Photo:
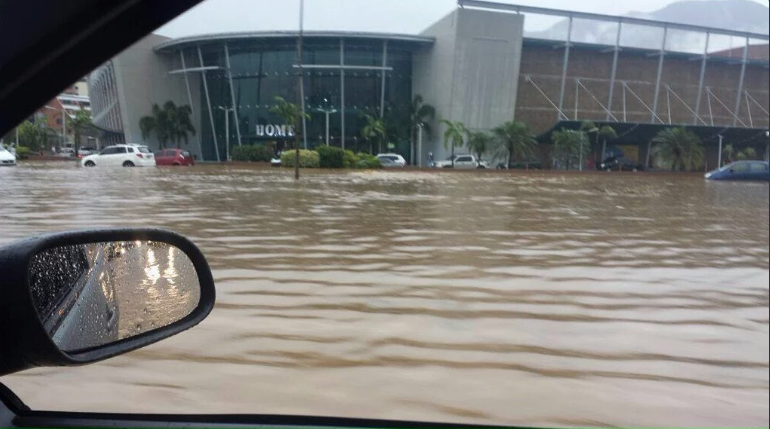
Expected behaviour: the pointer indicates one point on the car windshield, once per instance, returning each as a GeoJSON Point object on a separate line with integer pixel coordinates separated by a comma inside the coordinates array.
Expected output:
{"type": "Point", "coordinates": [595, 270]}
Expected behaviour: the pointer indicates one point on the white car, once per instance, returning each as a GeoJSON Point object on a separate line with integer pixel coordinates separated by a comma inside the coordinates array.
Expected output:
{"type": "Point", "coordinates": [7, 159]}
{"type": "Point", "coordinates": [392, 160]}
{"type": "Point", "coordinates": [122, 155]}
{"type": "Point", "coordinates": [463, 162]}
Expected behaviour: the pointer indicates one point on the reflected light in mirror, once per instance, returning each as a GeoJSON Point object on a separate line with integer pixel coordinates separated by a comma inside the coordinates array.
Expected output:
{"type": "Point", "coordinates": [95, 294]}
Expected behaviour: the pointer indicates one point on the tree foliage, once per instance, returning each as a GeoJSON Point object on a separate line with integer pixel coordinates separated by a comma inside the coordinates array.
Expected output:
{"type": "Point", "coordinates": [374, 131]}
{"type": "Point", "coordinates": [513, 142]}
{"type": "Point", "coordinates": [681, 148]}
{"type": "Point", "coordinates": [420, 114]}
{"type": "Point", "coordinates": [454, 136]}
{"type": "Point", "coordinates": [34, 135]}
{"type": "Point", "coordinates": [170, 123]}
{"type": "Point", "coordinates": [480, 142]}
{"type": "Point", "coordinates": [568, 145]}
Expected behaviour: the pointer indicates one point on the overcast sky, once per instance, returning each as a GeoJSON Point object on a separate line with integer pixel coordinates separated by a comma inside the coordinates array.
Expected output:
{"type": "Point", "coordinates": [397, 16]}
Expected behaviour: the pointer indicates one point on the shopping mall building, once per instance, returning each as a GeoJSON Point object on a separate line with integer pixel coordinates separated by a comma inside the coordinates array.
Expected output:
{"type": "Point", "coordinates": [475, 65]}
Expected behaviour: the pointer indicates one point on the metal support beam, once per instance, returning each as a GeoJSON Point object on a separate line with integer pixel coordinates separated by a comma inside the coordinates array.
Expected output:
{"type": "Point", "coordinates": [711, 108]}
{"type": "Point", "coordinates": [660, 75]}
{"type": "Point", "coordinates": [565, 66]}
{"type": "Point", "coordinates": [342, 89]}
{"type": "Point", "coordinates": [577, 97]}
{"type": "Point", "coordinates": [301, 88]}
{"type": "Point", "coordinates": [702, 79]}
{"type": "Point", "coordinates": [561, 113]}
{"type": "Point", "coordinates": [739, 98]}
{"type": "Point", "coordinates": [614, 73]}
{"type": "Point", "coordinates": [591, 94]}
{"type": "Point", "coordinates": [748, 110]}
{"type": "Point", "coordinates": [625, 106]}
{"type": "Point", "coordinates": [192, 107]}
{"type": "Point", "coordinates": [384, 78]}
{"type": "Point", "coordinates": [668, 103]}
{"type": "Point", "coordinates": [208, 103]}
{"type": "Point", "coordinates": [232, 95]}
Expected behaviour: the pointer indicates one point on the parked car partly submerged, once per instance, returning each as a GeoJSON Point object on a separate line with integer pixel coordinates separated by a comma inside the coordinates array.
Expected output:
{"type": "Point", "coordinates": [174, 158]}
{"type": "Point", "coordinates": [742, 170]}
{"type": "Point", "coordinates": [620, 163]}
{"type": "Point", "coordinates": [125, 155]}
{"type": "Point", "coordinates": [392, 160]}
{"type": "Point", "coordinates": [463, 162]}
{"type": "Point", "coordinates": [7, 159]}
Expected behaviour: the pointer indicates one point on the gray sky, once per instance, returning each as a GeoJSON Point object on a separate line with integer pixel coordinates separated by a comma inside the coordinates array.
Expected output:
{"type": "Point", "coordinates": [397, 16]}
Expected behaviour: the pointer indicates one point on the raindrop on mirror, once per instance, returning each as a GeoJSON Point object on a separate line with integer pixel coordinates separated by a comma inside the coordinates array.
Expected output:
{"type": "Point", "coordinates": [95, 294]}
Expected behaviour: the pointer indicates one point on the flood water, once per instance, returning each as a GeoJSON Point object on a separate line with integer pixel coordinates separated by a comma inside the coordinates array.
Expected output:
{"type": "Point", "coordinates": [529, 299]}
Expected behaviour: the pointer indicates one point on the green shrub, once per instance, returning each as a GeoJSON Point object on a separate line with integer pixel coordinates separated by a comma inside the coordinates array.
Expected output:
{"type": "Point", "coordinates": [349, 160]}
{"type": "Point", "coordinates": [252, 153]}
{"type": "Point", "coordinates": [331, 157]}
{"type": "Point", "coordinates": [366, 160]}
{"type": "Point", "coordinates": [307, 159]}
{"type": "Point", "coordinates": [22, 152]}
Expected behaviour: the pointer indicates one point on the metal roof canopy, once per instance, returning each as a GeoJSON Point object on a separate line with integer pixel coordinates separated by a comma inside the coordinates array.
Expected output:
{"type": "Point", "coordinates": [265, 35]}
{"type": "Point", "coordinates": [636, 133]}
{"type": "Point", "coordinates": [609, 18]}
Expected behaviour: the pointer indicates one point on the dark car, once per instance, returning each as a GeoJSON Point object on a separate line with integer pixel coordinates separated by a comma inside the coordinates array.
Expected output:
{"type": "Point", "coordinates": [742, 170]}
{"type": "Point", "coordinates": [620, 163]}
{"type": "Point", "coordinates": [174, 157]}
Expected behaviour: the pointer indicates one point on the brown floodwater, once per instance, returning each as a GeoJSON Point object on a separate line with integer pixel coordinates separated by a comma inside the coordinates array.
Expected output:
{"type": "Point", "coordinates": [530, 299]}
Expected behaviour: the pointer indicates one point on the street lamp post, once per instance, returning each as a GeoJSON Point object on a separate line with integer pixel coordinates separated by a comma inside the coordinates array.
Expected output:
{"type": "Point", "coordinates": [420, 127]}
{"type": "Point", "coordinates": [63, 123]}
{"type": "Point", "coordinates": [227, 130]}
{"type": "Point", "coordinates": [328, 112]}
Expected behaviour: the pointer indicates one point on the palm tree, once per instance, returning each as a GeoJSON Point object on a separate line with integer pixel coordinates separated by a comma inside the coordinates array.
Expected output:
{"type": "Point", "coordinates": [479, 143]}
{"type": "Point", "coordinates": [681, 147]}
{"type": "Point", "coordinates": [81, 122]}
{"type": "Point", "coordinates": [420, 115]}
{"type": "Point", "coordinates": [34, 135]}
{"type": "Point", "coordinates": [605, 134]}
{"type": "Point", "coordinates": [728, 153]}
{"type": "Point", "coordinates": [374, 130]}
{"type": "Point", "coordinates": [747, 154]}
{"type": "Point", "coordinates": [514, 141]}
{"type": "Point", "coordinates": [568, 144]}
{"type": "Point", "coordinates": [454, 136]}
{"type": "Point", "coordinates": [290, 113]}
{"type": "Point", "coordinates": [170, 123]}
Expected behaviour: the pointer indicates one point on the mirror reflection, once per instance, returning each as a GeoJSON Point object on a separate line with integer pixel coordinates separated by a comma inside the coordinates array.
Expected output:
{"type": "Point", "coordinates": [95, 294]}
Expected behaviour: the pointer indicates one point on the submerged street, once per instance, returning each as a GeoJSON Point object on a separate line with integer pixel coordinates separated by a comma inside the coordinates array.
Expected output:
{"type": "Point", "coordinates": [537, 299]}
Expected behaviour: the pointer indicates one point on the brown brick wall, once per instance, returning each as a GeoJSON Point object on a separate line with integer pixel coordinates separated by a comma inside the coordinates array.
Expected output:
{"type": "Point", "coordinates": [639, 70]}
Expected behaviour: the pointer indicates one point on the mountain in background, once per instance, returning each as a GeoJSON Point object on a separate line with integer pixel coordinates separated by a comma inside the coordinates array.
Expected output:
{"type": "Point", "coordinates": [742, 15]}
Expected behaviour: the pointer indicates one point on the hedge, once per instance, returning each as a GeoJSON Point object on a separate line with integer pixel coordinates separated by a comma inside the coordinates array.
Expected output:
{"type": "Point", "coordinates": [331, 157]}
{"type": "Point", "coordinates": [365, 160]}
{"type": "Point", "coordinates": [252, 153]}
{"type": "Point", "coordinates": [307, 159]}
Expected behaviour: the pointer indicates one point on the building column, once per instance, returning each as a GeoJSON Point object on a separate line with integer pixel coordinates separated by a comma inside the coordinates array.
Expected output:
{"type": "Point", "coordinates": [384, 64]}
{"type": "Point", "coordinates": [208, 103]}
{"type": "Point", "coordinates": [565, 66]}
{"type": "Point", "coordinates": [232, 94]}
{"type": "Point", "coordinates": [190, 99]}
{"type": "Point", "coordinates": [741, 80]}
{"type": "Point", "coordinates": [614, 70]}
{"type": "Point", "coordinates": [703, 65]}
{"type": "Point", "coordinates": [656, 97]}
{"type": "Point", "coordinates": [342, 89]}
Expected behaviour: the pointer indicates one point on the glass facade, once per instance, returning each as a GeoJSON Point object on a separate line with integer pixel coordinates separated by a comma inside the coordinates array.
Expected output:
{"type": "Point", "coordinates": [344, 78]}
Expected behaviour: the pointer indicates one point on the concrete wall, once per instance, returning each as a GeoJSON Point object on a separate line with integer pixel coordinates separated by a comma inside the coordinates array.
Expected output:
{"type": "Point", "coordinates": [470, 74]}
{"type": "Point", "coordinates": [143, 79]}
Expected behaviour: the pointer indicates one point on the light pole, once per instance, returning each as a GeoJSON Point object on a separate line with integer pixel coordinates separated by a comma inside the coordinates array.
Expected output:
{"type": "Point", "coordinates": [63, 123]}
{"type": "Point", "coordinates": [327, 111]}
{"type": "Point", "coordinates": [420, 126]}
{"type": "Point", "coordinates": [719, 156]}
{"type": "Point", "coordinates": [227, 130]}
{"type": "Point", "coordinates": [592, 130]}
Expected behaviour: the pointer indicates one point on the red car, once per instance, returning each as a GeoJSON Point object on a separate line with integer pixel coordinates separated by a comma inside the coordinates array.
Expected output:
{"type": "Point", "coordinates": [174, 157]}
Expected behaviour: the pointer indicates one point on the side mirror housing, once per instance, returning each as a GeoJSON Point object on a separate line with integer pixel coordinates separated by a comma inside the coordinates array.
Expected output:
{"type": "Point", "coordinates": [80, 297]}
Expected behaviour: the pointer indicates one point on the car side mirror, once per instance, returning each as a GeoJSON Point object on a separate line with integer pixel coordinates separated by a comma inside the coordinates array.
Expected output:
{"type": "Point", "coordinates": [81, 297]}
